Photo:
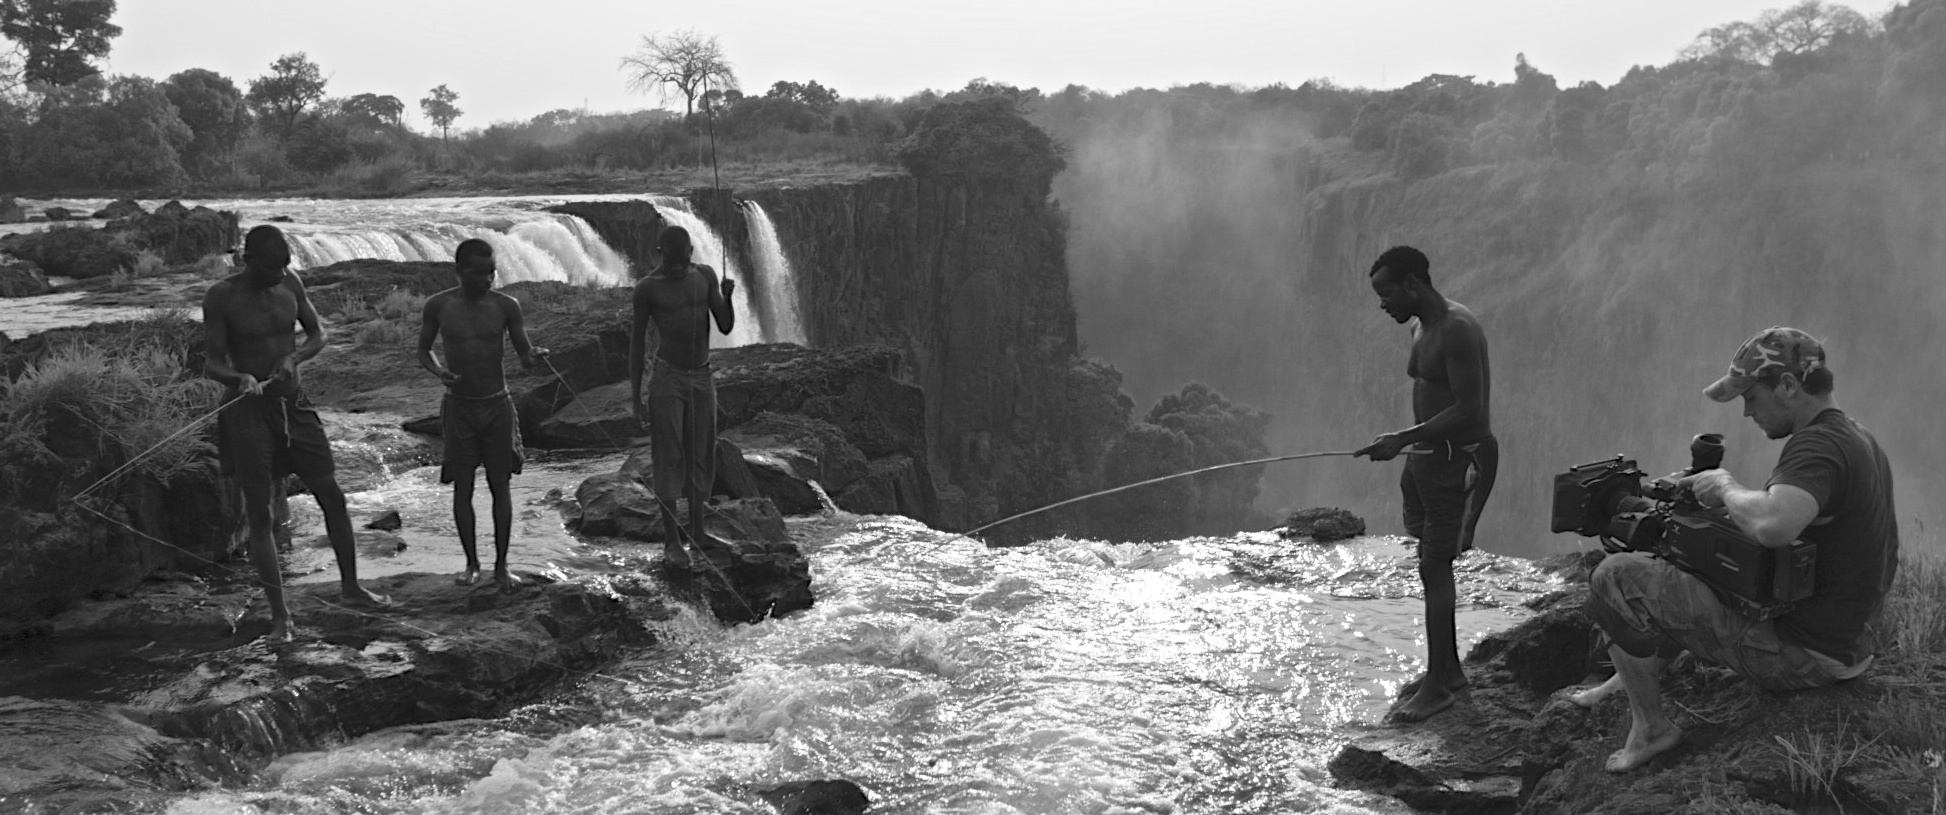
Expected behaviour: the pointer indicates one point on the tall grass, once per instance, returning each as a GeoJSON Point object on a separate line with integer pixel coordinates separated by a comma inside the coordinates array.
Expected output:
{"type": "Point", "coordinates": [136, 395]}
{"type": "Point", "coordinates": [1814, 760]}
{"type": "Point", "coordinates": [1914, 620]}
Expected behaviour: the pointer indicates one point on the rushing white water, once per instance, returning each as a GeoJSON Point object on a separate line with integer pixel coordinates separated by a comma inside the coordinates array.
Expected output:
{"type": "Point", "coordinates": [778, 291]}
{"type": "Point", "coordinates": [1212, 675]}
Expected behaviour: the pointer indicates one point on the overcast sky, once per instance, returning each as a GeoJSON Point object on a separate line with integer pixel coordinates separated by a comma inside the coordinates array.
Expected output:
{"type": "Point", "coordinates": [511, 60]}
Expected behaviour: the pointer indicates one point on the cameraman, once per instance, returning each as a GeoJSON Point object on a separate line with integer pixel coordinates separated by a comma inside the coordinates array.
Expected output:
{"type": "Point", "coordinates": [1832, 486]}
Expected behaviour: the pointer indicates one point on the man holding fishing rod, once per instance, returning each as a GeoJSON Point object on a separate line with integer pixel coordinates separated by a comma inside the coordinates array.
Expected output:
{"type": "Point", "coordinates": [679, 299]}
{"type": "Point", "coordinates": [270, 430]}
{"type": "Point", "coordinates": [477, 420]}
{"type": "Point", "coordinates": [1448, 477]}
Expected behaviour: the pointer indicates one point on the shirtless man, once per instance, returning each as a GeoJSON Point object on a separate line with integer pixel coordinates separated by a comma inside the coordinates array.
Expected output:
{"type": "Point", "coordinates": [679, 298]}
{"type": "Point", "coordinates": [1447, 480]}
{"type": "Point", "coordinates": [477, 420]}
{"type": "Point", "coordinates": [272, 431]}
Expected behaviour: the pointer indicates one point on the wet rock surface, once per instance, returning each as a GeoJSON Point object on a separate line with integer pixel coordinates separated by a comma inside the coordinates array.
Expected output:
{"type": "Point", "coordinates": [201, 702]}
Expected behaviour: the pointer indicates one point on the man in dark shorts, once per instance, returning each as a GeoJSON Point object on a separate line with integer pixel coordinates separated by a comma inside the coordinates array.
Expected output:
{"type": "Point", "coordinates": [272, 432]}
{"type": "Point", "coordinates": [477, 420]}
{"type": "Point", "coordinates": [1832, 486]}
{"type": "Point", "coordinates": [679, 298]}
{"type": "Point", "coordinates": [1454, 456]}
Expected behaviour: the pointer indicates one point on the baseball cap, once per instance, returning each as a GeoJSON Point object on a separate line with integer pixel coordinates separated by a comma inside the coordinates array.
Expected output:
{"type": "Point", "coordinates": [1774, 351]}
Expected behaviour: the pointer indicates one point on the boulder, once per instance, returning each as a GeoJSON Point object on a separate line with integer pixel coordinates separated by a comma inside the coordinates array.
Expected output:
{"type": "Point", "coordinates": [597, 418]}
{"type": "Point", "coordinates": [822, 797]}
{"type": "Point", "coordinates": [746, 580]}
{"type": "Point", "coordinates": [57, 213]}
{"type": "Point", "coordinates": [809, 449]}
{"type": "Point", "coordinates": [11, 212]}
{"type": "Point", "coordinates": [120, 209]}
{"type": "Point", "coordinates": [616, 505]}
{"type": "Point", "coordinates": [893, 485]}
{"type": "Point", "coordinates": [181, 235]}
{"type": "Point", "coordinates": [1322, 524]}
{"type": "Point", "coordinates": [19, 278]}
{"type": "Point", "coordinates": [72, 251]}
{"type": "Point", "coordinates": [745, 519]}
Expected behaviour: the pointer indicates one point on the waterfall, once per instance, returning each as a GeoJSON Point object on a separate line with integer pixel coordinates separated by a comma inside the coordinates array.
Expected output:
{"type": "Point", "coordinates": [708, 249]}
{"type": "Point", "coordinates": [778, 286]}
{"type": "Point", "coordinates": [546, 247]}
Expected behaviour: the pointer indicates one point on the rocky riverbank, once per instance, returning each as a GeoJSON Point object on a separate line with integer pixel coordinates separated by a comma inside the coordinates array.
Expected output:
{"type": "Point", "coordinates": [1516, 743]}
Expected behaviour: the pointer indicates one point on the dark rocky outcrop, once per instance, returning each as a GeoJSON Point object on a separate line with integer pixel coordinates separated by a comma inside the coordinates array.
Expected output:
{"type": "Point", "coordinates": [1514, 742]}
{"type": "Point", "coordinates": [11, 212]}
{"type": "Point", "coordinates": [174, 233]}
{"type": "Point", "coordinates": [57, 213]}
{"type": "Point", "coordinates": [199, 709]}
{"type": "Point", "coordinates": [817, 798]}
{"type": "Point", "coordinates": [1322, 524]}
{"type": "Point", "coordinates": [19, 278]}
{"type": "Point", "coordinates": [123, 208]}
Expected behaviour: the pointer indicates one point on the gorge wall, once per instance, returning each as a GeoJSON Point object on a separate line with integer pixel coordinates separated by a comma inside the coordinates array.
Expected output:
{"type": "Point", "coordinates": [1609, 298]}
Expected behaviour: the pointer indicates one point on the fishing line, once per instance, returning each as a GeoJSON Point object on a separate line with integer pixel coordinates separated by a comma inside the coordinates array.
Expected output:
{"type": "Point", "coordinates": [1185, 474]}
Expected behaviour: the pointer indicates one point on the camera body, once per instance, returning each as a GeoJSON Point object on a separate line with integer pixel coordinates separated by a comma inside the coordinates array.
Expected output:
{"type": "Point", "coordinates": [1610, 500]}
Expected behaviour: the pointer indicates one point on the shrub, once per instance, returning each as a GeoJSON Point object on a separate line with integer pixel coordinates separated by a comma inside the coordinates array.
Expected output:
{"type": "Point", "coordinates": [138, 395]}
{"type": "Point", "coordinates": [399, 304]}
{"type": "Point", "coordinates": [981, 139]}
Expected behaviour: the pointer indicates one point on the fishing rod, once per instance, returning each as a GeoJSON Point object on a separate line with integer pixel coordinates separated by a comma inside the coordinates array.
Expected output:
{"type": "Point", "coordinates": [1185, 474]}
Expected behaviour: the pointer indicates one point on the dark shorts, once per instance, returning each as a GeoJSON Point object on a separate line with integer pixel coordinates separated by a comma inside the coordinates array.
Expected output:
{"type": "Point", "coordinates": [1444, 492]}
{"type": "Point", "coordinates": [479, 433]}
{"type": "Point", "coordinates": [1647, 607]}
{"type": "Point", "coordinates": [263, 438]}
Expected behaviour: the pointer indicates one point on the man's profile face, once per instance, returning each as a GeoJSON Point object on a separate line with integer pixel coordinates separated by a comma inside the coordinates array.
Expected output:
{"type": "Point", "coordinates": [1765, 406]}
{"type": "Point", "coordinates": [476, 274]}
{"type": "Point", "coordinates": [1394, 296]}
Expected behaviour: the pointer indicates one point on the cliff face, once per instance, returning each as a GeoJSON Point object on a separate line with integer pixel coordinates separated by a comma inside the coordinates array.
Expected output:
{"type": "Point", "coordinates": [1609, 299]}
{"type": "Point", "coordinates": [970, 280]}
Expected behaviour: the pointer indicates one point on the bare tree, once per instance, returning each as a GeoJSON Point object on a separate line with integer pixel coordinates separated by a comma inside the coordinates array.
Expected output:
{"type": "Point", "coordinates": [682, 62]}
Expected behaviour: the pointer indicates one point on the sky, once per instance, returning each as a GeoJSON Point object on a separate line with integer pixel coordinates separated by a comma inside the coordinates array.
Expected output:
{"type": "Point", "coordinates": [510, 61]}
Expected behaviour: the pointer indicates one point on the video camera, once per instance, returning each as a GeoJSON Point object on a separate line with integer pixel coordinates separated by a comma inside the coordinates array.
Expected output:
{"type": "Point", "coordinates": [1607, 500]}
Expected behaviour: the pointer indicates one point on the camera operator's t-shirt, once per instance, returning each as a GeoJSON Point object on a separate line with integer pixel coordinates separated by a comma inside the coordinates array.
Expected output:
{"type": "Point", "coordinates": [1841, 465]}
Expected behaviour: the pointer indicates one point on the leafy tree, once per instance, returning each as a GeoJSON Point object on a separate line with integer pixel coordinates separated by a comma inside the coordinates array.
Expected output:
{"type": "Point", "coordinates": [131, 139]}
{"type": "Point", "coordinates": [438, 106]}
{"type": "Point", "coordinates": [212, 108]}
{"type": "Point", "coordinates": [810, 94]}
{"type": "Point", "coordinates": [983, 139]}
{"type": "Point", "coordinates": [1802, 29]}
{"type": "Point", "coordinates": [60, 38]}
{"type": "Point", "coordinates": [383, 110]}
{"type": "Point", "coordinates": [293, 85]}
{"type": "Point", "coordinates": [683, 62]}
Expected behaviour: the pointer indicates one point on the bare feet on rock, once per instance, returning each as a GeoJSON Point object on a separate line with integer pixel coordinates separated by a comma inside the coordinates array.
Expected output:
{"type": "Point", "coordinates": [506, 579]}
{"type": "Point", "coordinates": [674, 557]}
{"type": "Point", "coordinates": [1591, 697]}
{"type": "Point", "coordinates": [281, 632]}
{"type": "Point", "coordinates": [1411, 688]}
{"type": "Point", "coordinates": [471, 577]}
{"type": "Point", "coordinates": [1640, 749]}
{"type": "Point", "coordinates": [363, 598]}
{"type": "Point", "coordinates": [1423, 705]}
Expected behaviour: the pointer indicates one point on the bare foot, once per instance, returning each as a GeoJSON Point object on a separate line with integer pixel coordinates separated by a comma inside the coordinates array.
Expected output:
{"type": "Point", "coordinates": [281, 632]}
{"type": "Point", "coordinates": [1593, 696]}
{"type": "Point", "coordinates": [361, 597]}
{"type": "Point", "coordinates": [674, 557]}
{"type": "Point", "coordinates": [471, 577]}
{"type": "Point", "coordinates": [1640, 750]}
{"type": "Point", "coordinates": [1411, 687]}
{"type": "Point", "coordinates": [1422, 706]}
{"type": "Point", "coordinates": [506, 579]}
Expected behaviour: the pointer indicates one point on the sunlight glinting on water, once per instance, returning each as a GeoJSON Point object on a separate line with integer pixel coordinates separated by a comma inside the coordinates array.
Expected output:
{"type": "Point", "coordinates": [1204, 675]}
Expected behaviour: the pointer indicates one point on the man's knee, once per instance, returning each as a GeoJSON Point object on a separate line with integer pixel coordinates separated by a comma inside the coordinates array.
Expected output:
{"type": "Point", "coordinates": [325, 488]}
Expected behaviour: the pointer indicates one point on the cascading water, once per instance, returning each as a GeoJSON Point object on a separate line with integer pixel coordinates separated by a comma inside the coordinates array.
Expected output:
{"type": "Point", "coordinates": [779, 285]}
{"type": "Point", "coordinates": [548, 247]}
